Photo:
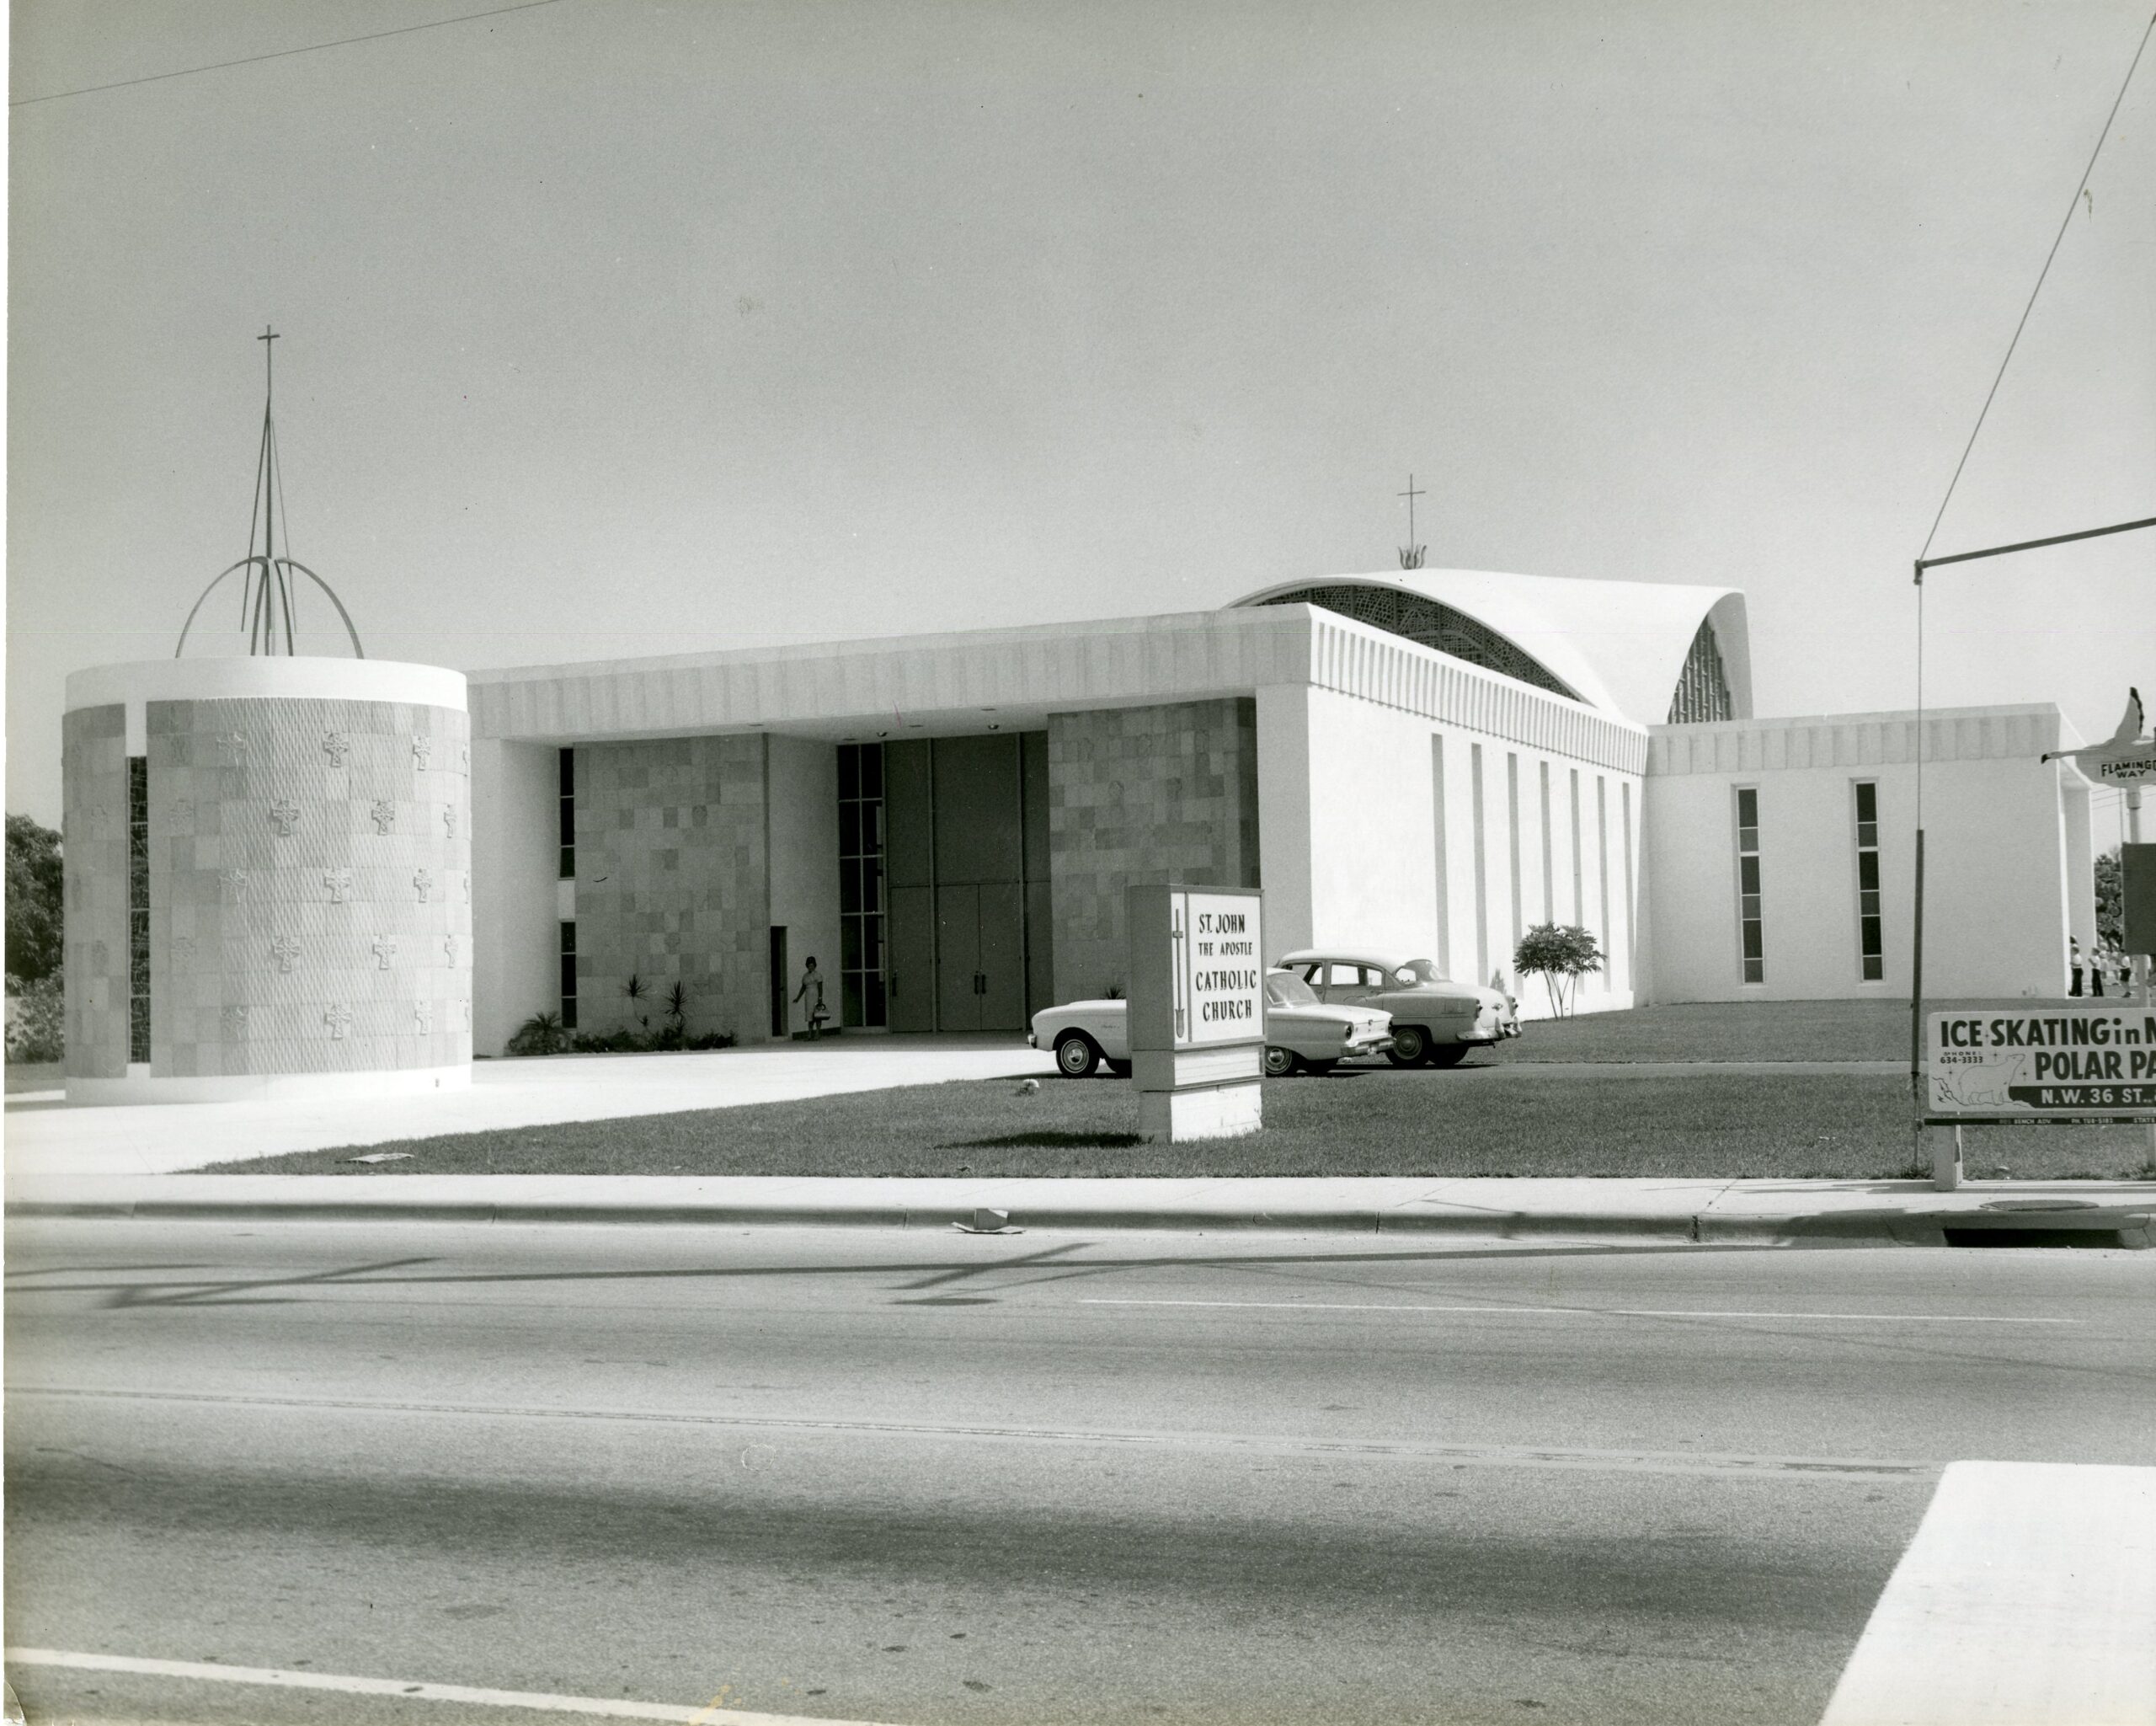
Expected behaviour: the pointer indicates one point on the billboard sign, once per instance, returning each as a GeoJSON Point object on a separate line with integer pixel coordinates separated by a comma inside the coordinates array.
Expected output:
{"type": "Point", "coordinates": [2072, 1064]}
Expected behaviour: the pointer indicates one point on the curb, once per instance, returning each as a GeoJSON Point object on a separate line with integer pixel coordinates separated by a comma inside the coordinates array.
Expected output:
{"type": "Point", "coordinates": [2131, 1226]}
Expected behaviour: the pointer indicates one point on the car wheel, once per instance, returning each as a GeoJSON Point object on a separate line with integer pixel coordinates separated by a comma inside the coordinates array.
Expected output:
{"type": "Point", "coordinates": [1077, 1055]}
{"type": "Point", "coordinates": [1446, 1055]}
{"type": "Point", "coordinates": [1121, 1069]}
{"type": "Point", "coordinates": [1411, 1046]}
{"type": "Point", "coordinates": [1279, 1062]}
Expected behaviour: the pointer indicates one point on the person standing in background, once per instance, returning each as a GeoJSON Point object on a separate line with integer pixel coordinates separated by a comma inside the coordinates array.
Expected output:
{"type": "Point", "coordinates": [2073, 961]}
{"type": "Point", "coordinates": [811, 995]}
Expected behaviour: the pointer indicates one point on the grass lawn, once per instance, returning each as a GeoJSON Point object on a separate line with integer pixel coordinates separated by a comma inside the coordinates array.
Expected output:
{"type": "Point", "coordinates": [1876, 1029]}
{"type": "Point", "coordinates": [1365, 1122]}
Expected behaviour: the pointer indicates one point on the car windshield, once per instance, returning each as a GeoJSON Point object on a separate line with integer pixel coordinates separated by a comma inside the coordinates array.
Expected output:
{"type": "Point", "coordinates": [1421, 970]}
{"type": "Point", "coordinates": [1285, 989]}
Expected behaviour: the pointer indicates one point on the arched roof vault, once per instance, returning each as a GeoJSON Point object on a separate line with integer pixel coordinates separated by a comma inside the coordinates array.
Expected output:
{"type": "Point", "coordinates": [1620, 646]}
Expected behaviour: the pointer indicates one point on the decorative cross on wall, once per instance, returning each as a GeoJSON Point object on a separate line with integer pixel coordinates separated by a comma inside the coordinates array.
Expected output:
{"type": "Point", "coordinates": [337, 1018]}
{"type": "Point", "coordinates": [385, 949]}
{"type": "Point", "coordinates": [284, 950]}
{"type": "Point", "coordinates": [423, 748]}
{"type": "Point", "coordinates": [283, 816]}
{"type": "Point", "coordinates": [339, 884]}
{"type": "Point", "coordinates": [424, 882]}
{"type": "Point", "coordinates": [234, 882]}
{"type": "Point", "coordinates": [383, 814]}
{"type": "Point", "coordinates": [336, 744]}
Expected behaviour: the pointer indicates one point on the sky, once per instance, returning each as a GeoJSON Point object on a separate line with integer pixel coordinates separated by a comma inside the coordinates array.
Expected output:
{"type": "Point", "coordinates": [615, 327]}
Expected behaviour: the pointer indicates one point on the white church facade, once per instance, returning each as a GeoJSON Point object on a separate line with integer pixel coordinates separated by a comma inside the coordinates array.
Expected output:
{"type": "Point", "coordinates": [1422, 761]}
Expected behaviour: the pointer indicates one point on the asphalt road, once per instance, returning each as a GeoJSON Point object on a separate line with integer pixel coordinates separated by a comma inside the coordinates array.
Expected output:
{"type": "Point", "coordinates": [920, 1478]}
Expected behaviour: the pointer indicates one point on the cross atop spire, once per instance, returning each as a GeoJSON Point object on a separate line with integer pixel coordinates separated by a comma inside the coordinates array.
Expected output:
{"type": "Point", "coordinates": [268, 371]}
{"type": "Point", "coordinates": [1410, 554]}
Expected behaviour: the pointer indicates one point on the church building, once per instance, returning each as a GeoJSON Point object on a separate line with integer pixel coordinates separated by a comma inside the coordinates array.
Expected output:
{"type": "Point", "coordinates": [1425, 762]}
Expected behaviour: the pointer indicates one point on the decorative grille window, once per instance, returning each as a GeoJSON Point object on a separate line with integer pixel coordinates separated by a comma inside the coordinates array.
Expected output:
{"type": "Point", "coordinates": [1750, 923]}
{"type": "Point", "coordinates": [1702, 694]}
{"type": "Point", "coordinates": [1433, 625]}
{"type": "Point", "coordinates": [861, 884]}
{"type": "Point", "coordinates": [138, 908]}
{"type": "Point", "coordinates": [1871, 941]}
{"type": "Point", "coordinates": [567, 838]}
{"type": "Point", "coordinates": [568, 971]}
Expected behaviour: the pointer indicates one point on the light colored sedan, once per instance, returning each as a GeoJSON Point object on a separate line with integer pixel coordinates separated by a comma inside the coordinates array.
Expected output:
{"type": "Point", "coordinates": [1435, 1020]}
{"type": "Point", "coordinates": [1302, 1033]}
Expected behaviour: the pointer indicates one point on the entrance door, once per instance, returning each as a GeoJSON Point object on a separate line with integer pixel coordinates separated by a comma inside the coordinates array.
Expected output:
{"type": "Point", "coordinates": [910, 959]}
{"type": "Point", "coordinates": [1002, 949]}
{"type": "Point", "coordinates": [980, 957]}
{"type": "Point", "coordinates": [779, 981]}
{"type": "Point", "coordinates": [957, 958]}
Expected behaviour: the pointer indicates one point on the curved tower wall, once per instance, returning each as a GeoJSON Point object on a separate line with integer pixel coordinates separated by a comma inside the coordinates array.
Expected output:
{"type": "Point", "coordinates": [268, 879]}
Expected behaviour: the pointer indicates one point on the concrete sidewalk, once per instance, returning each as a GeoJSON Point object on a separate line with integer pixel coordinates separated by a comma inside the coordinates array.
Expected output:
{"type": "Point", "coordinates": [46, 1136]}
{"type": "Point", "coordinates": [1839, 1213]}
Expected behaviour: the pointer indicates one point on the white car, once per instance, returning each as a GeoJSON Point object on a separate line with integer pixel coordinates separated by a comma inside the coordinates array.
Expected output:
{"type": "Point", "coordinates": [1435, 1020]}
{"type": "Point", "coordinates": [1302, 1033]}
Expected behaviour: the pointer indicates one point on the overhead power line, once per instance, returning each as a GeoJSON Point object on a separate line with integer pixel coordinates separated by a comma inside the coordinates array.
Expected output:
{"type": "Point", "coordinates": [2101, 135]}
{"type": "Point", "coordinates": [281, 54]}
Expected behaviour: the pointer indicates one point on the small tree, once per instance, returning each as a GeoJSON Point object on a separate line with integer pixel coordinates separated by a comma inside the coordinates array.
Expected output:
{"type": "Point", "coordinates": [34, 877]}
{"type": "Point", "coordinates": [1562, 953]}
{"type": "Point", "coordinates": [2110, 897]}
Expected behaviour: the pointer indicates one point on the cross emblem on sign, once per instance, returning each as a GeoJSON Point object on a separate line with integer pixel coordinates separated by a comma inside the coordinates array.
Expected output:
{"type": "Point", "coordinates": [1177, 939]}
{"type": "Point", "coordinates": [385, 949]}
{"type": "Point", "coordinates": [338, 1018]}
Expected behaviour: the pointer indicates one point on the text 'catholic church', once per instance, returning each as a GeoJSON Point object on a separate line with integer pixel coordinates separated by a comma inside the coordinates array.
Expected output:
{"type": "Point", "coordinates": [1425, 762]}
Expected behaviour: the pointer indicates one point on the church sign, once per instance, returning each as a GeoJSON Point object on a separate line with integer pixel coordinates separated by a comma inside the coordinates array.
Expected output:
{"type": "Point", "coordinates": [2076, 1065]}
{"type": "Point", "coordinates": [1197, 1009]}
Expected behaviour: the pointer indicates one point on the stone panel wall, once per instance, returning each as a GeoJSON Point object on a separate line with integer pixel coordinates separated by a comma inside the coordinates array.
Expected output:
{"type": "Point", "coordinates": [1140, 795]}
{"type": "Point", "coordinates": [94, 848]}
{"type": "Point", "coordinates": [673, 883]}
{"type": "Point", "coordinates": [310, 886]}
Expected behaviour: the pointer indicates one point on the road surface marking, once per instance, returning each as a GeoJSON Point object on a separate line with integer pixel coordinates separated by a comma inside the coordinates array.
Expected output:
{"type": "Point", "coordinates": [2026, 1597]}
{"type": "Point", "coordinates": [538, 1701]}
{"type": "Point", "coordinates": [1460, 1455]}
{"type": "Point", "coordinates": [1579, 1312]}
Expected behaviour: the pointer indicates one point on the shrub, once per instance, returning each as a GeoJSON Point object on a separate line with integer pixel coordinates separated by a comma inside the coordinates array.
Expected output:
{"type": "Point", "coordinates": [539, 1034]}
{"type": "Point", "coordinates": [38, 1032]}
{"type": "Point", "coordinates": [713, 1039]}
{"type": "Point", "coordinates": [621, 1042]}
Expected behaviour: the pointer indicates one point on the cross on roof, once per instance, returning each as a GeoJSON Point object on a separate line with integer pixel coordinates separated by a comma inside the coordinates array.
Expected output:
{"type": "Point", "coordinates": [1410, 554]}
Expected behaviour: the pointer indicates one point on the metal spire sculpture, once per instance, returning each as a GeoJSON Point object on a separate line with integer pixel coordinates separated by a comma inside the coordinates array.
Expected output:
{"type": "Point", "coordinates": [265, 610]}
